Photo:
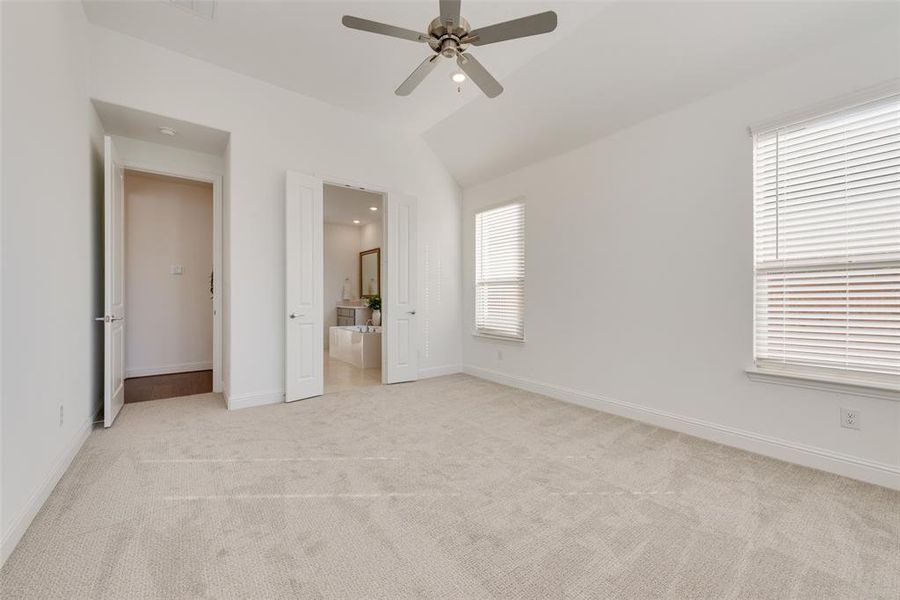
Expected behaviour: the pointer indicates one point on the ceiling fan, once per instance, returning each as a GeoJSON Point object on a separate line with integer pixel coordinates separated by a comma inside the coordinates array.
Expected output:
{"type": "Point", "coordinates": [449, 35]}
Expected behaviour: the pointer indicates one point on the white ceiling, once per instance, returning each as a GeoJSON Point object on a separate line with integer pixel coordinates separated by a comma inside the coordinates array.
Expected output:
{"type": "Point", "coordinates": [140, 125]}
{"type": "Point", "coordinates": [344, 204]}
{"type": "Point", "coordinates": [609, 65]}
{"type": "Point", "coordinates": [302, 46]}
{"type": "Point", "coordinates": [635, 60]}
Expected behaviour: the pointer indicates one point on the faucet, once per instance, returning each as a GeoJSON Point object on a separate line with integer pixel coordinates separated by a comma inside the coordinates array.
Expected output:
{"type": "Point", "coordinates": [367, 324]}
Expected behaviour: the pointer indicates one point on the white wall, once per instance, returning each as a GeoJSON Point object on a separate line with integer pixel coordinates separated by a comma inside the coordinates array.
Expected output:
{"type": "Point", "coordinates": [370, 236]}
{"type": "Point", "coordinates": [169, 324]}
{"type": "Point", "coordinates": [639, 276]}
{"type": "Point", "coordinates": [341, 248]}
{"type": "Point", "coordinates": [51, 257]}
{"type": "Point", "coordinates": [272, 131]}
{"type": "Point", "coordinates": [168, 158]}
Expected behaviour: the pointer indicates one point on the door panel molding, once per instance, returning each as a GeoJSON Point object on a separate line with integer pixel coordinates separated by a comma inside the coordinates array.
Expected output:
{"type": "Point", "coordinates": [304, 263]}
{"type": "Point", "coordinates": [401, 359]}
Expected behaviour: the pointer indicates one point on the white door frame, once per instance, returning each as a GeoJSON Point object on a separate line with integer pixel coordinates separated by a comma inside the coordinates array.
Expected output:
{"type": "Point", "coordinates": [341, 182]}
{"type": "Point", "coordinates": [216, 181]}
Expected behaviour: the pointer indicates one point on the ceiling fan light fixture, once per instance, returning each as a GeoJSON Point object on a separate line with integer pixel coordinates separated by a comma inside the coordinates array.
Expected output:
{"type": "Point", "coordinates": [450, 35]}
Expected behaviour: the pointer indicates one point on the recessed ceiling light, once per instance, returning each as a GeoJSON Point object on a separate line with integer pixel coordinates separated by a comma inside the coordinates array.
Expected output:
{"type": "Point", "coordinates": [167, 131]}
{"type": "Point", "coordinates": [373, 208]}
{"type": "Point", "coordinates": [458, 77]}
{"type": "Point", "coordinates": [356, 221]}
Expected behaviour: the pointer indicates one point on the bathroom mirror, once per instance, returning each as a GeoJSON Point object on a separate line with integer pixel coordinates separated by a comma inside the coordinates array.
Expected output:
{"type": "Point", "coordinates": [370, 273]}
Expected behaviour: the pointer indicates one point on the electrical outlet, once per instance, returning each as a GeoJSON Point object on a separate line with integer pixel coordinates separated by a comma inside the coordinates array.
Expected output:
{"type": "Point", "coordinates": [850, 418]}
{"type": "Point", "coordinates": [60, 415]}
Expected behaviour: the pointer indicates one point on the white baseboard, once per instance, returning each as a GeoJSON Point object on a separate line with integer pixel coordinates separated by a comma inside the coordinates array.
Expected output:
{"type": "Point", "coordinates": [439, 371]}
{"type": "Point", "coordinates": [808, 456]}
{"type": "Point", "coordinates": [250, 400]}
{"type": "Point", "coordinates": [277, 396]}
{"type": "Point", "coordinates": [167, 369]}
{"type": "Point", "coordinates": [21, 523]}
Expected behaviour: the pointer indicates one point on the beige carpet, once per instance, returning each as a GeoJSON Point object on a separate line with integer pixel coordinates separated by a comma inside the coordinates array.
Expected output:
{"type": "Point", "coordinates": [447, 488]}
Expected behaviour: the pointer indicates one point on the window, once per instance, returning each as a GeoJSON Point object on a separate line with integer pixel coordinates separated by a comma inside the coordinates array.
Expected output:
{"type": "Point", "coordinates": [827, 246]}
{"type": "Point", "coordinates": [500, 271]}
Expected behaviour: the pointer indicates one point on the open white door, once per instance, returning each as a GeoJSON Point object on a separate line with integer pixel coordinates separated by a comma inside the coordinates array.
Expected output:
{"type": "Point", "coordinates": [113, 284]}
{"type": "Point", "coordinates": [401, 359]}
{"type": "Point", "coordinates": [304, 322]}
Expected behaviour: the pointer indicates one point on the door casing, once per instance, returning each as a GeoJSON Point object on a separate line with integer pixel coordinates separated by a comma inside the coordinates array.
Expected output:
{"type": "Point", "coordinates": [218, 234]}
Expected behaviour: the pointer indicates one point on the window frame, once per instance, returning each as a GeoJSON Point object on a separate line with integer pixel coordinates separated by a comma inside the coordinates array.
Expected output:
{"type": "Point", "coordinates": [487, 334]}
{"type": "Point", "coordinates": [849, 381]}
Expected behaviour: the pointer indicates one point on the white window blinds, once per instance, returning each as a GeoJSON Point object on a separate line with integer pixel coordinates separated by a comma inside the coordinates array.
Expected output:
{"type": "Point", "coordinates": [500, 271]}
{"type": "Point", "coordinates": [827, 244]}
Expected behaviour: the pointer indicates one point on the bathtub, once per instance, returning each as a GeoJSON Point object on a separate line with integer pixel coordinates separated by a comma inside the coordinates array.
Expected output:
{"type": "Point", "coordinates": [356, 344]}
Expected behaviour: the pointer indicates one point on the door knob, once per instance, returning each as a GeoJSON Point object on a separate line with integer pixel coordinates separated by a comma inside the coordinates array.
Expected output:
{"type": "Point", "coordinates": [411, 312]}
{"type": "Point", "coordinates": [293, 315]}
{"type": "Point", "coordinates": [108, 318]}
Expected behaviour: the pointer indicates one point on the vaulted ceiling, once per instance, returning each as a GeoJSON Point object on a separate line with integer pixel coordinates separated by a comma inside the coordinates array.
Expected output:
{"type": "Point", "coordinates": [302, 46]}
{"type": "Point", "coordinates": [608, 65]}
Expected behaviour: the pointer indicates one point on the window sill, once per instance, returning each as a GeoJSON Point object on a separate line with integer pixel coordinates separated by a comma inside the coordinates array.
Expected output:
{"type": "Point", "coordinates": [823, 382]}
{"type": "Point", "coordinates": [498, 338]}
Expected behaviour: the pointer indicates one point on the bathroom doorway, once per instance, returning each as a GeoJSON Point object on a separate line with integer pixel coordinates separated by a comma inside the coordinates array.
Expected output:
{"type": "Point", "coordinates": [305, 289]}
{"type": "Point", "coordinates": [353, 235]}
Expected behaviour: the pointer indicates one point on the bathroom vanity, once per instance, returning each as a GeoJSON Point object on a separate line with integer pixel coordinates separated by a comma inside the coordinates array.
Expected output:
{"type": "Point", "coordinates": [349, 314]}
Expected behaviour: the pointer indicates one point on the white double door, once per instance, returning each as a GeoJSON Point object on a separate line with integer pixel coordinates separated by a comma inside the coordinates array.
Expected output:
{"type": "Point", "coordinates": [304, 295]}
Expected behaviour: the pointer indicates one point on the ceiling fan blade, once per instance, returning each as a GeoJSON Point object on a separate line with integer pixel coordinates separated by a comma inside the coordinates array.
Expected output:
{"type": "Point", "coordinates": [416, 77]}
{"type": "Point", "coordinates": [471, 67]}
{"type": "Point", "coordinates": [450, 12]}
{"type": "Point", "coordinates": [383, 29]}
{"type": "Point", "coordinates": [544, 22]}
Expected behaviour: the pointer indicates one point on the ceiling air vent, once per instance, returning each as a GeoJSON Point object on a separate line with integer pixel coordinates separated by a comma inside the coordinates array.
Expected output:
{"type": "Point", "coordinates": [201, 8]}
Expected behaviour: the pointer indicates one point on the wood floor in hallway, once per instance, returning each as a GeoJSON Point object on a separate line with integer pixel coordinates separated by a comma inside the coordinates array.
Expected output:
{"type": "Point", "coordinates": [172, 385]}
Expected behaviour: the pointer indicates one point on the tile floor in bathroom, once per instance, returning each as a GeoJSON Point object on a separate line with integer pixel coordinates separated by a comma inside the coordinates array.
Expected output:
{"type": "Point", "coordinates": [341, 376]}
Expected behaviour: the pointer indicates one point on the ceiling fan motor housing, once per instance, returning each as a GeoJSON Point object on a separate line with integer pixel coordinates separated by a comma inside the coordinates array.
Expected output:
{"type": "Point", "coordinates": [445, 39]}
